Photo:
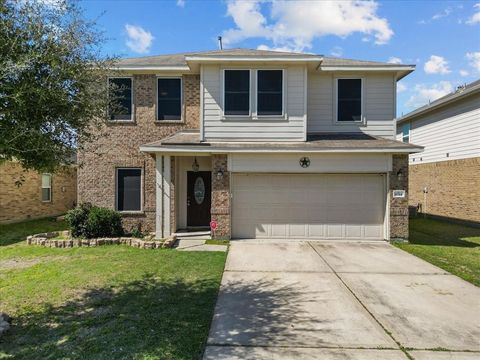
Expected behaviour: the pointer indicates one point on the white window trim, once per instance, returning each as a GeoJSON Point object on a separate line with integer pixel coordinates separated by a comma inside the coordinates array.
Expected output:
{"type": "Point", "coordinates": [132, 115]}
{"type": "Point", "coordinates": [50, 187]}
{"type": "Point", "coordinates": [141, 190]}
{"type": "Point", "coordinates": [282, 115]}
{"type": "Point", "coordinates": [363, 120]}
{"type": "Point", "coordinates": [182, 106]}
{"type": "Point", "coordinates": [237, 117]}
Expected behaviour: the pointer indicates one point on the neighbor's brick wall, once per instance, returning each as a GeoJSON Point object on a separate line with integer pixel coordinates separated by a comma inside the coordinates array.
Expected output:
{"type": "Point", "coordinates": [399, 206]}
{"type": "Point", "coordinates": [118, 146]}
{"type": "Point", "coordinates": [453, 188]}
{"type": "Point", "coordinates": [220, 210]}
{"type": "Point", "coordinates": [25, 202]}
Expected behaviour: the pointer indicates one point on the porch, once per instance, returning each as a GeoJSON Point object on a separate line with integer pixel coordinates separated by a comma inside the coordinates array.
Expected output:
{"type": "Point", "coordinates": [192, 190]}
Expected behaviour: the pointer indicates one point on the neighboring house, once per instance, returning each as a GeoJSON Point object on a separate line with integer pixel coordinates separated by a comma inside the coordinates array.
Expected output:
{"type": "Point", "coordinates": [26, 194]}
{"type": "Point", "coordinates": [266, 144]}
{"type": "Point", "coordinates": [445, 177]}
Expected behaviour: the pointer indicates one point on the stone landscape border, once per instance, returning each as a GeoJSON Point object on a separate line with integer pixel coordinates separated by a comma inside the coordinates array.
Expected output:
{"type": "Point", "coordinates": [48, 240]}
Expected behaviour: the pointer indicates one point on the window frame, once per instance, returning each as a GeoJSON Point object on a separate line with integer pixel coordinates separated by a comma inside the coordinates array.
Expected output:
{"type": "Point", "coordinates": [282, 115]}
{"type": "Point", "coordinates": [249, 115]}
{"type": "Point", "coordinates": [141, 189]}
{"type": "Point", "coordinates": [406, 136]}
{"type": "Point", "coordinates": [362, 120]}
{"type": "Point", "coordinates": [50, 188]}
{"type": "Point", "coordinates": [181, 120]}
{"type": "Point", "coordinates": [132, 115]}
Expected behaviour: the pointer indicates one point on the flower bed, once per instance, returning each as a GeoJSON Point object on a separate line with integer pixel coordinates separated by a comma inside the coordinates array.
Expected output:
{"type": "Point", "coordinates": [62, 239]}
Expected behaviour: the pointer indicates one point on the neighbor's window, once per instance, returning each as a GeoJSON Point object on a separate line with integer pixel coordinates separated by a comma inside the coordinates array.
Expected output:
{"type": "Point", "coordinates": [169, 99]}
{"type": "Point", "coordinates": [46, 187]}
{"type": "Point", "coordinates": [237, 92]}
{"type": "Point", "coordinates": [129, 189]}
{"type": "Point", "coordinates": [349, 99]}
{"type": "Point", "coordinates": [269, 92]}
{"type": "Point", "coordinates": [406, 133]}
{"type": "Point", "coordinates": [121, 100]}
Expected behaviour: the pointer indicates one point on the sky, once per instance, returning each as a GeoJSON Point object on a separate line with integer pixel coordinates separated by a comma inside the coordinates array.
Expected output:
{"type": "Point", "coordinates": [442, 38]}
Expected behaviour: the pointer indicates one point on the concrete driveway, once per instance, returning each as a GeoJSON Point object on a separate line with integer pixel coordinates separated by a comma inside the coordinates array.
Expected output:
{"type": "Point", "coordinates": [359, 301]}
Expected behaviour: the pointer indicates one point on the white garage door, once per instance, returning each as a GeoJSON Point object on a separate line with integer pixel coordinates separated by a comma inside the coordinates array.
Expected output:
{"type": "Point", "coordinates": [313, 206]}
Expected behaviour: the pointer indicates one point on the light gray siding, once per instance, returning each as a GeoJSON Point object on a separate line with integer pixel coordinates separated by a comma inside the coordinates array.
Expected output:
{"type": "Point", "coordinates": [291, 127]}
{"type": "Point", "coordinates": [378, 98]}
{"type": "Point", "coordinates": [453, 129]}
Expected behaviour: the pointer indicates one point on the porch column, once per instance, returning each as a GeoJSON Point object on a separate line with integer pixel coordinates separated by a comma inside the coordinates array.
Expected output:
{"type": "Point", "coordinates": [220, 210]}
{"type": "Point", "coordinates": [167, 178]}
{"type": "Point", "coordinates": [163, 182]}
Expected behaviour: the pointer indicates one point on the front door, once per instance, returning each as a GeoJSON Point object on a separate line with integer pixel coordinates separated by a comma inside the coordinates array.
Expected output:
{"type": "Point", "coordinates": [199, 198]}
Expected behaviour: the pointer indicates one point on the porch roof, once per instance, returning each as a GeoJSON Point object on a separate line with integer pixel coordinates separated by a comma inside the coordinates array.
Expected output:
{"type": "Point", "coordinates": [189, 141]}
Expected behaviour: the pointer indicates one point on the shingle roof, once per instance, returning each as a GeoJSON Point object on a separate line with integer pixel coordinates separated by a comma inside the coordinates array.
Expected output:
{"type": "Point", "coordinates": [456, 95]}
{"type": "Point", "coordinates": [180, 58]}
{"type": "Point", "coordinates": [315, 142]}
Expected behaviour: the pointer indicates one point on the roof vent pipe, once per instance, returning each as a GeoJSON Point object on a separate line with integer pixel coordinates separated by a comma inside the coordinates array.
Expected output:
{"type": "Point", "coordinates": [220, 42]}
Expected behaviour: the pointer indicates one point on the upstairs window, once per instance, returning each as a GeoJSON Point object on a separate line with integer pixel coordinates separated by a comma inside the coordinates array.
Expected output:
{"type": "Point", "coordinates": [349, 99]}
{"type": "Point", "coordinates": [406, 133]}
{"type": "Point", "coordinates": [129, 189]}
{"type": "Point", "coordinates": [237, 92]}
{"type": "Point", "coordinates": [46, 187]}
{"type": "Point", "coordinates": [269, 92]}
{"type": "Point", "coordinates": [121, 99]}
{"type": "Point", "coordinates": [169, 99]}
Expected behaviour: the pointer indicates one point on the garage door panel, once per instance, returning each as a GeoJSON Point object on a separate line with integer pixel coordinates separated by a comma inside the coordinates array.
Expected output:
{"type": "Point", "coordinates": [308, 206]}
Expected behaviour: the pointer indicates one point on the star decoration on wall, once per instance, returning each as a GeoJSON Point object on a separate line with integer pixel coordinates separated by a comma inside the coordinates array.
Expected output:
{"type": "Point", "coordinates": [304, 162]}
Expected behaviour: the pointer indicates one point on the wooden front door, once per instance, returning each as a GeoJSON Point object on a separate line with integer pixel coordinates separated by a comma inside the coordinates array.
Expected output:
{"type": "Point", "coordinates": [199, 198]}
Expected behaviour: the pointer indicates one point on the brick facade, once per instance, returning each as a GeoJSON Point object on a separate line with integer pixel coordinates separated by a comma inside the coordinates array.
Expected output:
{"type": "Point", "coordinates": [25, 202]}
{"type": "Point", "coordinates": [117, 145]}
{"type": "Point", "coordinates": [453, 189]}
{"type": "Point", "coordinates": [399, 206]}
{"type": "Point", "coordinates": [221, 197]}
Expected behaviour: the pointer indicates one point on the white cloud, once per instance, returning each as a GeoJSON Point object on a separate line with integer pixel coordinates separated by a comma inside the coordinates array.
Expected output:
{"type": "Point", "coordinates": [424, 94]}
{"type": "Point", "coordinates": [475, 18]}
{"type": "Point", "coordinates": [442, 14]}
{"type": "Point", "coordinates": [474, 58]}
{"type": "Point", "coordinates": [436, 65]}
{"type": "Point", "coordinates": [401, 87]}
{"type": "Point", "coordinates": [336, 51]}
{"type": "Point", "coordinates": [394, 60]}
{"type": "Point", "coordinates": [295, 24]}
{"type": "Point", "coordinates": [181, 3]}
{"type": "Point", "coordinates": [139, 40]}
{"type": "Point", "coordinates": [464, 73]}
{"type": "Point", "coordinates": [279, 48]}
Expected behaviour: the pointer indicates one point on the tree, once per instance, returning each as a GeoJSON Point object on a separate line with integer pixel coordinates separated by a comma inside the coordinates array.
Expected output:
{"type": "Point", "coordinates": [53, 88]}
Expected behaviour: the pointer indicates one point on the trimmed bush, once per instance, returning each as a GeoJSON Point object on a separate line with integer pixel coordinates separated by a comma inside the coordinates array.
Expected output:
{"type": "Point", "coordinates": [92, 222]}
{"type": "Point", "coordinates": [77, 219]}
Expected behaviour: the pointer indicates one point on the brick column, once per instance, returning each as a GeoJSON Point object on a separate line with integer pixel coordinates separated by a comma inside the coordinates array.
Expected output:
{"type": "Point", "coordinates": [220, 210]}
{"type": "Point", "coordinates": [399, 206]}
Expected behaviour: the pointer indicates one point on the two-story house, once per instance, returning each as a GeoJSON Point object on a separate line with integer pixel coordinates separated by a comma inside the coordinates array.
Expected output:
{"type": "Point", "coordinates": [265, 144]}
{"type": "Point", "coordinates": [445, 178]}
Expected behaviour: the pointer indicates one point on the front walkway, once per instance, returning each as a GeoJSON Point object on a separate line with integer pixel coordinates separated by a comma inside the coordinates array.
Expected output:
{"type": "Point", "coordinates": [317, 300]}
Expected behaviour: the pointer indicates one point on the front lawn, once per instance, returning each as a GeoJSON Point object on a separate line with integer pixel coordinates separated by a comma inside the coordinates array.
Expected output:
{"type": "Point", "coordinates": [452, 247]}
{"type": "Point", "coordinates": [108, 302]}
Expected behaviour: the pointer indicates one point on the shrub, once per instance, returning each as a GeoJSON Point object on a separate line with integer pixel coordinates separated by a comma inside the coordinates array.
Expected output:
{"type": "Point", "coordinates": [91, 222]}
{"type": "Point", "coordinates": [77, 219]}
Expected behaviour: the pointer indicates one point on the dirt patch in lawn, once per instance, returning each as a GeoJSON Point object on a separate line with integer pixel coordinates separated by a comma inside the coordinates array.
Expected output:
{"type": "Point", "coordinates": [21, 263]}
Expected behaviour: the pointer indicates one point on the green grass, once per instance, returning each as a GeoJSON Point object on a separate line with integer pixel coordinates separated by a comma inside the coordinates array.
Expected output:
{"type": "Point", "coordinates": [452, 247]}
{"type": "Point", "coordinates": [14, 233]}
{"type": "Point", "coordinates": [108, 302]}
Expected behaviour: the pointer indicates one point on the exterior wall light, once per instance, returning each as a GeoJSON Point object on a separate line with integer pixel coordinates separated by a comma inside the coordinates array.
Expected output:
{"type": "Point", "coordinates": [195, 166]}
{"type": "Point", "coordinates": [219, 175]}
{"type": "Point", "coordinates": [400, 175]}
